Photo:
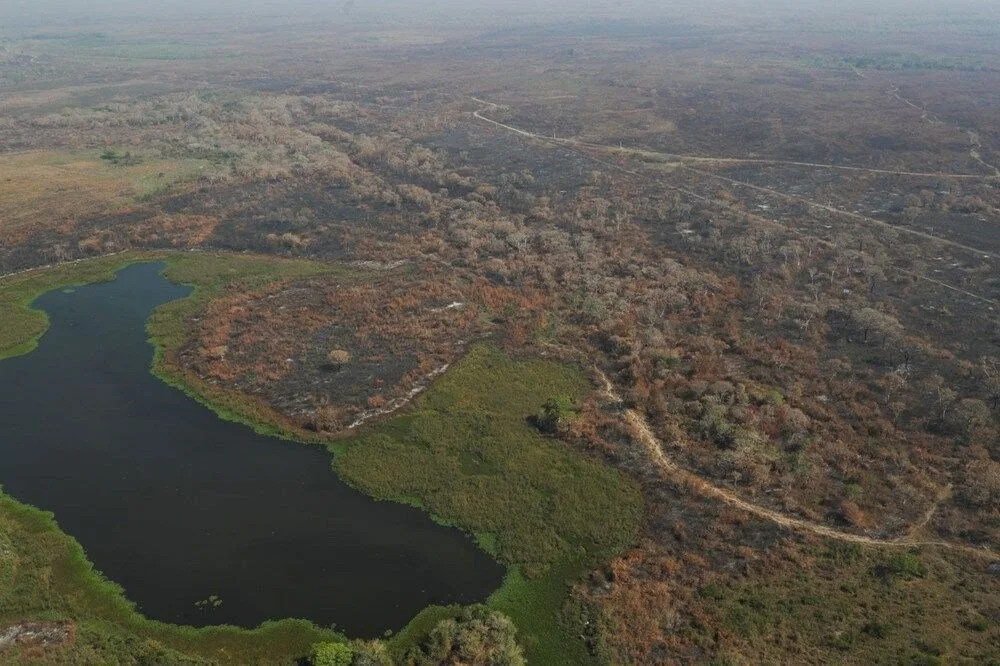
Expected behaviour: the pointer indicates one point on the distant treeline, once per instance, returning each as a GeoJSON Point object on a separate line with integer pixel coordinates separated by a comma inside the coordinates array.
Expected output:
{"type": "Point", "coordinates": [899, 62]}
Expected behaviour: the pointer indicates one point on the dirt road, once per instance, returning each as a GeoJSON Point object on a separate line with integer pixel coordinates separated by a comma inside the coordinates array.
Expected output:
{"type": "Point", "coordinates": [638, 428]}
{"type": "Point", "coordinates": [579, 145]}
{"type": "Point", "coordinates": [681, 158]}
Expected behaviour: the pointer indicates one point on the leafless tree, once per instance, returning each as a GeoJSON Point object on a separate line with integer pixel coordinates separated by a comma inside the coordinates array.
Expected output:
{"type": "Point", "coordinates": [990, 366]}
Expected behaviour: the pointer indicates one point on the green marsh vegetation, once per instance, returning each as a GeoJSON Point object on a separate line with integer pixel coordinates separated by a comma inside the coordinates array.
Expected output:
{"type": "Point", "coordinates": [467, 451]}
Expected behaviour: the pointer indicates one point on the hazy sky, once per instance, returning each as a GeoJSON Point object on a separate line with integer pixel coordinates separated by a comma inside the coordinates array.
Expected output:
{"type": "Point", "coordinates": [38, 13]}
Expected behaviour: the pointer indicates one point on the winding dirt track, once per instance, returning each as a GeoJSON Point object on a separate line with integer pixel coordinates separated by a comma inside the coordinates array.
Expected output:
{"type": "Point", "coordinates": [639, 430]}
{"type": "Point", "coordinates": [925, 115]}
{"type": "Point", "coordinates": [642, 152]}
{"type": "Point", "coordinates": [638, 427]}
{"type": "Point", "coordinates": [575, 144]}
{"type": "Point", "coordinates": [855, 216]}
{"type": "Point", "coordinates": [830, 209]}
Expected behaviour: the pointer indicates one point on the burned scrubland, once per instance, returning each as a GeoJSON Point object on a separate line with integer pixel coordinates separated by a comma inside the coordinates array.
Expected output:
{"type": "Point", "coordinates": [777, 238]}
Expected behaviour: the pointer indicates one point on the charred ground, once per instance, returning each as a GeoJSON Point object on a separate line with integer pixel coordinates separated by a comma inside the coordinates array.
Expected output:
{"type": "Point", "coordinates": [780, 241]}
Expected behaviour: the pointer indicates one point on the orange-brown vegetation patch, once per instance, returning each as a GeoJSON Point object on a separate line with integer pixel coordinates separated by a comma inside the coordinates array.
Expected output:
{"type": "Point", "coordinates": [326, 349]}
{"type": "Point", "coordinates": [177, 229]}
{"type": "Point", "coordinates": [639, 607]}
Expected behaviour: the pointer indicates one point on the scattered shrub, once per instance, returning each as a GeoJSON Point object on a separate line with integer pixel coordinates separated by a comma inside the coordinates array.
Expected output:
{"type": "Point", "coordinates": [906, 566]}
{"type": "Point", "coordinates": [339, 357]}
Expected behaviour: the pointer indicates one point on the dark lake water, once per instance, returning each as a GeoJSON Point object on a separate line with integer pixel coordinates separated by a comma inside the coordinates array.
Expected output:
{"type": "Point", "coordinates": [175, 504]}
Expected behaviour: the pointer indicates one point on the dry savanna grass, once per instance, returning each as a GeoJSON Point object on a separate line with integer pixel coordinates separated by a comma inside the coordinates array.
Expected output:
{"type": "Point", "coordinates": [638, 124]}
{"type": "Point", "coordinates": [46, 189]}
{"type": "Point", "coordinates": [67, 95]}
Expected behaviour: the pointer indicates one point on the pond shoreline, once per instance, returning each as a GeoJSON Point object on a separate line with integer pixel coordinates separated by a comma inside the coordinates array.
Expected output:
{"type": "Point", "coordinates": [518, 595]}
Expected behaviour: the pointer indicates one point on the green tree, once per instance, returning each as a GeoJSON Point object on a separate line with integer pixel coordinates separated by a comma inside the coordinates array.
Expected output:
{"type": "Point", "coordinates": [478, 636]}
{"type": "Point", "coordinates": [557, 414]}
{"type": "Point", "coordinates": [331, 654]}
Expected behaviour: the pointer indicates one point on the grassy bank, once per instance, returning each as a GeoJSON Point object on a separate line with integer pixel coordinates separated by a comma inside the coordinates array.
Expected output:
{"type": "Point", "coordinates": [24, 325]}
{"type": "Point", "coordinates": [45, 575]}
{"type": "Point", "coordinates": [465, 452]}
